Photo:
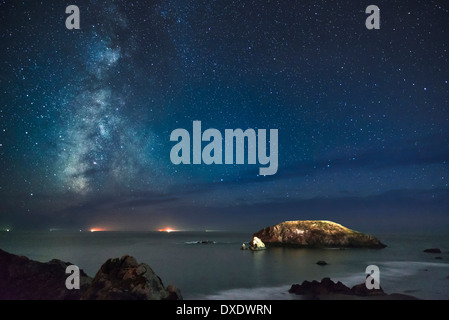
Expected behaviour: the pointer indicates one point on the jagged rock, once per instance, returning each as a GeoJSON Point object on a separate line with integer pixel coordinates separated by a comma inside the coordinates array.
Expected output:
{"type": "Point", "coordinates": [433, 250]}
{"type": "Point", "coordinates": [125, 279]}
{"type": "Point", "coordinates": [328, 289]}
{"type": "Point", "coordinates": [256, 244]}
{"type": "Point", "coordinates": [315, 288]}
{"type": "Point", "coordinates": [25, 279]}
{"type": "Point", "coordinates": [316, 233]}
{"type": "Point", "coordinates": [121, 279]}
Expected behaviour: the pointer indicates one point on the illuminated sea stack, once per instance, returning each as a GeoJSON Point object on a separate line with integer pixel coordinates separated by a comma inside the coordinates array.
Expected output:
{"type": "Point", "coordinates": [316, 234]}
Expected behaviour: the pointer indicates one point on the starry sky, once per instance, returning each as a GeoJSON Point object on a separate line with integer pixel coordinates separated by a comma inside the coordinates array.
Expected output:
{"type": "Point", "coordinates": [86, 115]}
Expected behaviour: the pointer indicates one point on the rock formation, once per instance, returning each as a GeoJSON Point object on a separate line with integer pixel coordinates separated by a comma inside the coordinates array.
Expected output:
{"type": "Point", "coordinates": [327, 288]}
{"type": "Point", "coordinates": [25, 279]}
{"type": "Point", "coordinates": [315, 288]}
{"type": "Point", "coordinates": [256, 244]}
{"type": "Point", "coordinates": [125, 279]}
{"type": "Point", "coordinates": [433, 250]}
{"type": "Point", "coordinates": [121, 279]}
{"type": "Point", "coordinates": [316, 234]}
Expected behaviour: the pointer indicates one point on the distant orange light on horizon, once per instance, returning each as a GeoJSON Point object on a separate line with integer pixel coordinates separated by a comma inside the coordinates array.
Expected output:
{"type": "Point", "coordinates": [97, 229]}
{"type": "Point", "coordinates": [166, 230]}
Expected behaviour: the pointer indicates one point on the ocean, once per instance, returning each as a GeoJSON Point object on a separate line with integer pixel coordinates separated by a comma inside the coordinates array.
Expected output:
{"type": "Point", "coordinates": [218, 269]}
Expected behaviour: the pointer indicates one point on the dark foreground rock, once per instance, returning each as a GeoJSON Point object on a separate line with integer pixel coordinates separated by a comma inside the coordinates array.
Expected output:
{"type": "Point", "coordinates": [125, 279]}
{"type": "Point", "coordinates": [25, 279]}
{"type": "Point", "coordinates": [327, 289]}
{"type": "Point", "coordinates": [316, 234]}
{"type": "Point", "coordinates": [315, 288]}
{"type": "Point", "coordinates": [121, 279]}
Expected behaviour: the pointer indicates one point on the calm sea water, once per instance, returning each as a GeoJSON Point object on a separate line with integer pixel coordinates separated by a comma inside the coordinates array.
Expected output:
{"type": "Point", "coordinates": [219, 270]}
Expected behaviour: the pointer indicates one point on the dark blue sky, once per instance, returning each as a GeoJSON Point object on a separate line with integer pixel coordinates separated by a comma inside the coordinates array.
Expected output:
{"type": "Point", "coordinates": [86, 115]}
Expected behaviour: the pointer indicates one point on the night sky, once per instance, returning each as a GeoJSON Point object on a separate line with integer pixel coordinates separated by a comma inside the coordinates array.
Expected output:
{"type": "Point", "coordinates": [86, 115]}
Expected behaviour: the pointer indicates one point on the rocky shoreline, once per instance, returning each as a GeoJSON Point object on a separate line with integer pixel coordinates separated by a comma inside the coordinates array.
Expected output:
{"type": "Point", "coordinates": [118, 279]}
{"type": "Point", "coordinates": [326, 289]}
{"type": "Point", "coordinates": [125, 279]}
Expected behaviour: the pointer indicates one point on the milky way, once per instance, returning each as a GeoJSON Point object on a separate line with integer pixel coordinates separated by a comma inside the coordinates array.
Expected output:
{"type": "Point", "coordinates": [86, 115]}
{"type": "Point", "coordinates": [104, 149]}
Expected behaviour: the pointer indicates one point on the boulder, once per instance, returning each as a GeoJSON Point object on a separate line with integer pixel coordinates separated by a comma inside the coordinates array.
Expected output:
{"type": "Point", "coordinates": [25, 279]}
{"type": "Point", "coordinates": [321, 263]}
{"type": "Point", "coordinates": [125, 279]}
{"type": "Point", "coordinates": [433, 250]}
{"type": "Point", "coordinates": [316, 234]}
{"type": "Point", "coordinates": [256, 244]}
